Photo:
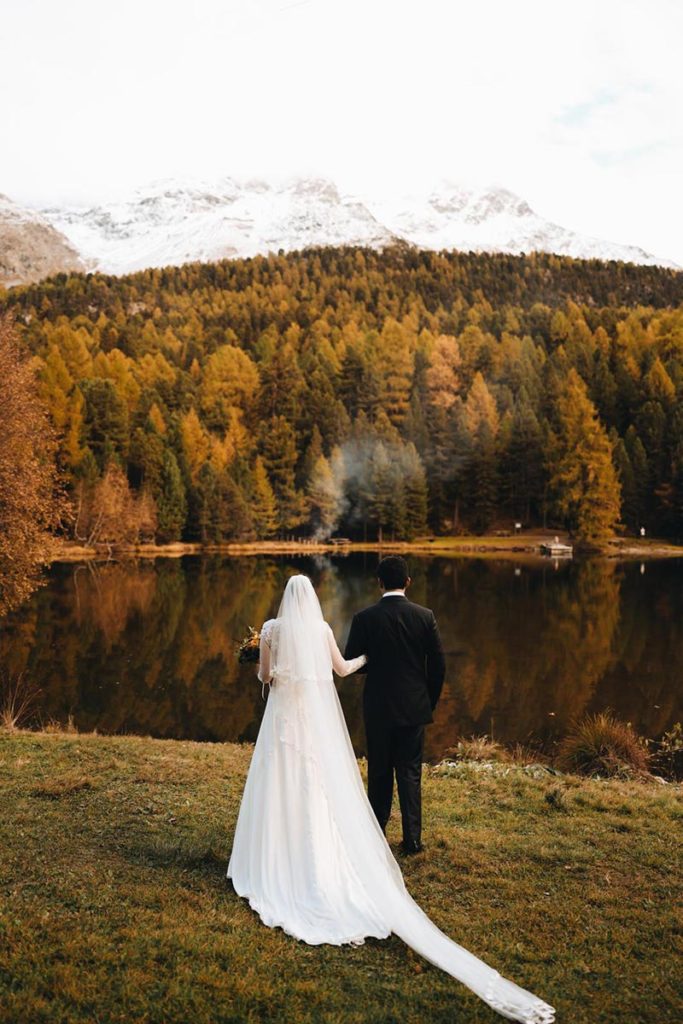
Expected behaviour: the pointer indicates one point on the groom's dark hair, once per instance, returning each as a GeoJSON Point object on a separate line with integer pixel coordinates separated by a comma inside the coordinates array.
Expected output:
{"type": "Point", "coordinates": [393, 573]}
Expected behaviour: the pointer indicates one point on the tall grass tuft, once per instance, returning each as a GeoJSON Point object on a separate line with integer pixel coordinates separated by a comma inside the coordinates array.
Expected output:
{"type": "Point", "coordinates": [18, 700]}
{"type": "Point", "coordinates": [667, 756]}
{"type": "Point", "coordinates": [602, 745]}
{"type": "Point", "coordinates": [478, 748]}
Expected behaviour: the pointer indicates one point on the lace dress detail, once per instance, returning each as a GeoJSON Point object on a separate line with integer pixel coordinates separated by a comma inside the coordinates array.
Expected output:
{"type": "Point", "coordinates": [265, 647]}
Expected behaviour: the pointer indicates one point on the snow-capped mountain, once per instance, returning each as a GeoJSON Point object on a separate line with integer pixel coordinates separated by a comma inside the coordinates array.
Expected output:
{"type": "Point", "coordinates": [170, 222]}
{"type": "Point", "coordinates": [30, 247]}
{"type": "Point", "coordinates": [492, 220]}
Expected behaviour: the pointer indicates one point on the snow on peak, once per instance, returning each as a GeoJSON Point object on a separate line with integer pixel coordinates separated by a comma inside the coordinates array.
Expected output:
{"type": "Point", "coordinates": [170, 222]}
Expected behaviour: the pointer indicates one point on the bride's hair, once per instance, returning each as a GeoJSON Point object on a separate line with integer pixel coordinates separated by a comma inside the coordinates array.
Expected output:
{"type": "Point", "coordinates": [299, 598]}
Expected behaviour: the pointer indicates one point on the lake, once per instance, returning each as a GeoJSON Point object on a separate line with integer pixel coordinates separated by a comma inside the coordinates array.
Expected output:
{"type": "Point", "coordinates": [147, 646]}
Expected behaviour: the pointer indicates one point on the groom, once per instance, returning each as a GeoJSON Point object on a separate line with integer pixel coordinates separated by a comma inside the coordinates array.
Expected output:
{"type": "Point", "coordinates": [405, 674]}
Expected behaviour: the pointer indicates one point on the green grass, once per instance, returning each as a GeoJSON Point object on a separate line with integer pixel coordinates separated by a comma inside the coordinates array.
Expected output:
{"type": "Point", "coordinates": [115, 906]}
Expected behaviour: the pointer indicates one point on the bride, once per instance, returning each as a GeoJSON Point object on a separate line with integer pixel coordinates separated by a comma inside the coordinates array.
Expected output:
{"type": "Point", "coordinates": [308, 852]}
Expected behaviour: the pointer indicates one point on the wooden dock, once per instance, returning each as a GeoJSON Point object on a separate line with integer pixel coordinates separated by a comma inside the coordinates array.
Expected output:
{"type": "Point", "coordinates": [554, 549]}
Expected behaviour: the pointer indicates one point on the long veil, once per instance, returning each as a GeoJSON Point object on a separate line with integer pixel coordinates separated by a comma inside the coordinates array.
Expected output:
{"type": "Point", "coordinates": [300, 649]}
{"type": "Point", "coordinates": [302, 658]}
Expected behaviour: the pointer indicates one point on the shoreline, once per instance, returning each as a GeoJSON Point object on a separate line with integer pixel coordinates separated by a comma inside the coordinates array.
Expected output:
{"type": "Point", "coordinates": [517, 548]}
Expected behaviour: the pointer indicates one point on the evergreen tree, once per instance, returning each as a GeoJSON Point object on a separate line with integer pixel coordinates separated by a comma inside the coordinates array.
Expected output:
{"type": "Point", "coordinates": [280, 459]}
{"type": "Point", "coordinates": [207, 517]}
{"type": "Point", "coordinates": [604, 391]}
{"type": "Point", "coordinates": [313, 453]}
{"type": "Point", "coordinates": [171, 501]}
{"type": "Point", "coordinates": [106, 420]}
{"type": "Point", "coordinates": [627, 482]}
{"type": "Point", "coordinates": [324, 498]}
{"type": "Point", "coordinates": [281, 385]}
{"type": "Point", "coordinates": [522, 462]}
{"type": "Point", "coordinates": [231, 516]}
{"type": "Point", "coordinates": [641, 477]}
{"type": "Point", "coordinates": [415, 491]}
{"type": "Point", "coordinates": [359, 383]}
{"type": "Point", "coordinates": [320, 407]}
{"type": "Point", "coordinates": [483, 482]}
{"type": "Point", "coordinates": [380, 489]}
{"type": "Point", "coordinates": [350, 376]}
{"type": "Point", "coordinates": [146, 459]}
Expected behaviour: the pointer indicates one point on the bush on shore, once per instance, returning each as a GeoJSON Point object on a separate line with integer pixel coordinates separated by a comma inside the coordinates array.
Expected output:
{"type": "Point", "coordinates": [601, 745]}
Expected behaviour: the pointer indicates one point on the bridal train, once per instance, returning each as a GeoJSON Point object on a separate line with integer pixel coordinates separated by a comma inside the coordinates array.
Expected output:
{"type": "Point", "coordinates": [308, 853]}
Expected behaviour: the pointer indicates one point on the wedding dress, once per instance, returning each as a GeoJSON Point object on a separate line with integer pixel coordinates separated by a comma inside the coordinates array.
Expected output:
{"type": "Point", "coordinates": [308, 852]}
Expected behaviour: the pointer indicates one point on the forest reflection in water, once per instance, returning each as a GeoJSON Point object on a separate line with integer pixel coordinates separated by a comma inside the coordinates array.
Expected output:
{"type": "Point", "coordinates": [148, 647]}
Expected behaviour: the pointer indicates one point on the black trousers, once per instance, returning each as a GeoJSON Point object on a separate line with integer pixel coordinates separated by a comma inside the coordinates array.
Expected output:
{"type": "Point", "coordinates": [396, 749]}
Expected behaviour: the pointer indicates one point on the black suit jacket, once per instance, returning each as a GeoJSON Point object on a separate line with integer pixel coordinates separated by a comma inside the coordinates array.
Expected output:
{"type": "Point", "coordinates": [406, 667]}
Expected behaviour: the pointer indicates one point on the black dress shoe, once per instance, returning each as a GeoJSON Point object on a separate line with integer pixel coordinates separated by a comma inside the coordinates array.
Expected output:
{"type": "Point", "coordinates": [414, 846]}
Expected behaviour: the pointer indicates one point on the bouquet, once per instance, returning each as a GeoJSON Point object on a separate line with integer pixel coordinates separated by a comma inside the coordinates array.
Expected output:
{"type": "Point", "coordinates": [248, 648]}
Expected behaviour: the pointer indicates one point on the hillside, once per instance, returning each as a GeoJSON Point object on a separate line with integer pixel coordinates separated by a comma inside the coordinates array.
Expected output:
{"type": "Point", "coordinates": [31, 248]}
{"type": "Point", "coordinates": [373, 393]}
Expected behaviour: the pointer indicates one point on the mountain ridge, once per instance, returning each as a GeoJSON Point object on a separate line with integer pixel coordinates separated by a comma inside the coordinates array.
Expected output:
{"type": "Point", "coordinates": [171, 222]}
{"type": "Point", "coordinates": [31, 248]}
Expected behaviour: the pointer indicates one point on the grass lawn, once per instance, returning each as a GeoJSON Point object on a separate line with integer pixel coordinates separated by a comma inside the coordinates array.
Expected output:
{"type": "Point", "coordinates": [115, 907]}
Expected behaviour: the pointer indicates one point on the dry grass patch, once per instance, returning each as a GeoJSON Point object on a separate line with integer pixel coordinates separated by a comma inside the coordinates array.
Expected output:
{"type": "Point", "coordinates": [600, 745]}
{"type": "Point", "coordinates": [478, 748]}
{"type": "Point", "coordinates": [55, 789]}
{"type": "Point", "coordinates": [116, 907]}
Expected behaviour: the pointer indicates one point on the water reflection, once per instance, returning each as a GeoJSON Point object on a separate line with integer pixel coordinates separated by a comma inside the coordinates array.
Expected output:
{"type": "Point", "coordinates": [149, 647]}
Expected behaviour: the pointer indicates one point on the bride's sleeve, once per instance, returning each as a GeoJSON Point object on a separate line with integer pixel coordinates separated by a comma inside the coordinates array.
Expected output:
{"type": "Point", "coordinates": [341, 665]}
{"type": "Point", "coordinates": [264, 672]}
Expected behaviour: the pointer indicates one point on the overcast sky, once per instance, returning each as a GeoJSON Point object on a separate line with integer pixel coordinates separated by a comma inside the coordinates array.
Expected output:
{"type": "Point", "coordinates": [577, 106]}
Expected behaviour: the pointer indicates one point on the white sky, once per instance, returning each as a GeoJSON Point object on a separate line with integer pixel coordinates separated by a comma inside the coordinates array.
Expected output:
{"type": "Point", "coordinates": [575, 105]}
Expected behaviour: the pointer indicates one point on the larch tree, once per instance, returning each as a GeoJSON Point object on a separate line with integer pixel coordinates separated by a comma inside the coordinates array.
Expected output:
{"type": "Point", "coordinates": [65, 405]}
{"type": "Point", "coordinates": [195, 443]}
{"type": "Point", "coordinates": [263, 505]}
{"type": "Point", "coordinates": [230, 379]}
{"type": "Point", "coordinates": [582, 477]}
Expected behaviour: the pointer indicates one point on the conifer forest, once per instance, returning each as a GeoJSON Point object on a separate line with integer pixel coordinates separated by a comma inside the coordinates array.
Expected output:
{"type": "Point", "coordinates": [361, 393]}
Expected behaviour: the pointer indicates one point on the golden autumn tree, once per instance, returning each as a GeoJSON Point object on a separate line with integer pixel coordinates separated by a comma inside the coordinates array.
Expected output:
{"type": "Point", "coordinates": [65, 405]}
{"type": "Point", "coordinates": [195, 443]}
{"type": "Point", "coordinates": [263, 505]}
{"type": "Point", "coordinates": [582, 477]}
{"type": "Point", "coordinates": [29, 504]}
{"type": "Point", "coordinates": [394, 361]}
{"type": "Point", "coordinates": [230, 378]}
